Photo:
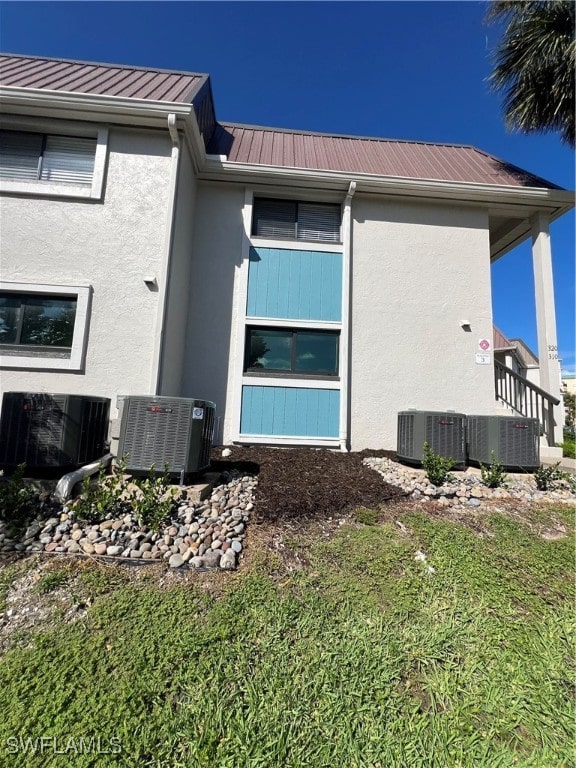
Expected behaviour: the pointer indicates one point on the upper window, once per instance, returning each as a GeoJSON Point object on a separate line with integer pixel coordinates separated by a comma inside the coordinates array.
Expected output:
{"type": "Point", "coordinates": [41, 157]}
{"type": "Point", "coordinates": [43, 326]}
{"type": "Point", "coordinates": [279, 350]}
{"type": "Point", "coordinates": [292, 220]}
{"type": "Point", "coordinates": [52, 164]}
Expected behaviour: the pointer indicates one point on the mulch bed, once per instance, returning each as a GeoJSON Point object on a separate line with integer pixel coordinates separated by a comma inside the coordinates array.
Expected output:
{"type": "Point", "coordinates": [303, 483]}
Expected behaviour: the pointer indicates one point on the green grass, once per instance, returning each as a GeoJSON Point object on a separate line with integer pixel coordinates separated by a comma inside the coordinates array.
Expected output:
{"type": "Point", "coordinates": [363, 659]}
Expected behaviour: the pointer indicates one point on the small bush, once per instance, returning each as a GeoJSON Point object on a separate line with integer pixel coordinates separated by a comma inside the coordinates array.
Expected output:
{"type": "Point", "coordinates": [548, 478]}
{"type": "Point", "coordinates": [107, 496]}
{"type": "Point", "coordinates": [437, 467]}
{"type": "Point", "coordinates": [152, 499]}
{"type": "Point", "coordinates": [569, 449]}
{"type": "Point", "coordinates": [493, 474]}
{"type": "Point", "coordinates": [17, 500]}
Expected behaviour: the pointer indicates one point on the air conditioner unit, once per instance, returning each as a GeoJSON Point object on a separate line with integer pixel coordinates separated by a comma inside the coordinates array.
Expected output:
{"type": "Point", "coordinates": [166, 431]}
{"type": "Point", "coordinates": [514, 440]}
{"type": "Point", "coordinates": [442, 430]}
{"type": "Point", "coordinates": [56, 431]}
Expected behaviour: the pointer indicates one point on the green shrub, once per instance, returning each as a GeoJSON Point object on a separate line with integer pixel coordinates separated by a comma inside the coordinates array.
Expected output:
{"type": "Point", "coordinates": [493, 474]}
{"type": "Point", "coordinates": [569, 449]}
{"type": "Point", "coordinates": [548, 477]}
{"type": "Point", "coordinates": [106, 496]}
{"type": "Point", "coordinates": [152, 499]}
{"type": "Point", "coordinates": [17, 500]}
{"type": "Point", "coordinates": [437, 467]}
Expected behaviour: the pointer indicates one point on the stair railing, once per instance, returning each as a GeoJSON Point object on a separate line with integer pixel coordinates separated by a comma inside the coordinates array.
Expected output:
{"type": "Point", "coordinates": [525, 398]}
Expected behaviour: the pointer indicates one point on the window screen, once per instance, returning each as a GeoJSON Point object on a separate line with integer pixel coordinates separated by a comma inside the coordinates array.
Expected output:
{"type": "Point", "coordinates": [291, 220]}
{"type": "Point", "coordinates": [38, 157]}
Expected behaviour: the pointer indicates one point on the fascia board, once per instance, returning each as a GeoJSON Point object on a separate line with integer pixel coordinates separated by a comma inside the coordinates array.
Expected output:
{"type": "Point", "coordinates": [492, 194]}
{"type": "Point", "coordinates": [108, 109]}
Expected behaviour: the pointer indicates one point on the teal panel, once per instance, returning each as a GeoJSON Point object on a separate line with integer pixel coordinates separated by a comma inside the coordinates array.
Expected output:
{"type": "Point", "coordinates": [298, 285]}
{"type": "Point", "coordinates": [290, 412]}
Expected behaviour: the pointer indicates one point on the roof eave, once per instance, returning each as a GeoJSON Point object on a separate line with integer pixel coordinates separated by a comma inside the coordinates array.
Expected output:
{"type": "Point", "coordinates": [107, 109]}
{"type": "Point", "coordinates": [216, 167]}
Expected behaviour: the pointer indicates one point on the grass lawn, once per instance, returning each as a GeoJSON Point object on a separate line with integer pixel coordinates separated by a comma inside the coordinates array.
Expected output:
{"type": "Point", "coordinates": [340, 651]}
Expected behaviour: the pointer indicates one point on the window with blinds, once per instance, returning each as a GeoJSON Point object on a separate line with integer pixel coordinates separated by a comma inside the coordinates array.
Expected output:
{"type": "Point", "coordinates": [292, 220]}
{"type": "Point", "coordinates": [40, 157]}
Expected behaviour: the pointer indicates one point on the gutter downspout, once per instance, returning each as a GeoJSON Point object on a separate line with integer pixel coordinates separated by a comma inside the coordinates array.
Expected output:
{"type": "Point", "coordinates": [164, 276]}
{"type": "Point", "coordinates": [346, 310]}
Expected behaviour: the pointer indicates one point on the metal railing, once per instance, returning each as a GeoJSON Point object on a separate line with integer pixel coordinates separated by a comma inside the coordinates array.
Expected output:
{"type": "Point", "coordinates": [526, 398]}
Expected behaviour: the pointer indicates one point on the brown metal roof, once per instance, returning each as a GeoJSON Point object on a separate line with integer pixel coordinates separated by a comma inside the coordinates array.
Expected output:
{"type": "Point", "coordinates": [94, 78]}
{"type": "Point", "coordinates": [501, 341]}
{"type": "Point", "coordinates": [352, 154]}
{"type": "Point", "coordinates": [266, 146]}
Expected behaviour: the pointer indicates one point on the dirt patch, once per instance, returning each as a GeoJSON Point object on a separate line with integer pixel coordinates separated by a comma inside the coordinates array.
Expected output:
{"type": "Point", "coordinates": [307, 484]}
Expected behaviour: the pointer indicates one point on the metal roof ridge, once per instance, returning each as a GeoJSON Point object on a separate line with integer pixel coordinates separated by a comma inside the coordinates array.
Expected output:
{"type": "Point", "coordinates": [32, 57]}
{"type": "Point", "coordinates": [299, 131]}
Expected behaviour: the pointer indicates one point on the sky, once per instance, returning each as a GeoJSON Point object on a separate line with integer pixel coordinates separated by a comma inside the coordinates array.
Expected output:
{"type": "Point", "coordinates": [402, 70]}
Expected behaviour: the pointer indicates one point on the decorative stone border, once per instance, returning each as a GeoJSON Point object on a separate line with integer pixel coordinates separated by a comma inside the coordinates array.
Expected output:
{"type": "Point", "coordinates": [467, 488]}
{"type": "Point", "coordinates": [204, 534]}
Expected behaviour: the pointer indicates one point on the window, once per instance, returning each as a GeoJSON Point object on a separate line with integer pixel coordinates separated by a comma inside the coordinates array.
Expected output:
{"type": "Point", "coordinates": [31, 320]}
{"type": "Point", "coordinates": [291, 220]}
{"type": "Point", "coordinates": [304, 352]}
{"type": "Point", "coordinates": [43, 326]}
{"type": "Point", "coordinates": [53, 164]}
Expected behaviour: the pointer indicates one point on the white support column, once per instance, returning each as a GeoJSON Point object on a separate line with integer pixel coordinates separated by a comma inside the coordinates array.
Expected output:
{"type": "Point", "coordinates": [550, 378]}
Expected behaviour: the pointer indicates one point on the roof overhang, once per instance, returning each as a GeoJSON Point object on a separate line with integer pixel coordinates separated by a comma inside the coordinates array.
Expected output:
{"type": "Point", "coordinates": [145, 113]}
{"type": "Point", "coordinates": [510, 206]}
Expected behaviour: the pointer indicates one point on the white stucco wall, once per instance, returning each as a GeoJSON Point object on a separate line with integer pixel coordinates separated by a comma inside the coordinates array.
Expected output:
{"type": "Point", "coordinates": [418, 270]}
{"type": "Point", "coordinates": [177, 297]}
{"type": "Point", "coordinates": [211, 349]}
{"type": "Point", "coordinates": [110, 245]}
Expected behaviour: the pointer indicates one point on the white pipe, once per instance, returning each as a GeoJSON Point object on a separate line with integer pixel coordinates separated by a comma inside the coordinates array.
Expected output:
{"type": "Point", "coordinates": [346, 308]}
{"type": "Point", "coordinates": [164, 276]}
{"type": "Point", "coordinates": [66, 484]}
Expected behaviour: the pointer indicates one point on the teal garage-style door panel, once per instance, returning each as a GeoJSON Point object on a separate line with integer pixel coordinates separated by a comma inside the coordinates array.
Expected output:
{"type": "Point", "coordinates": [297, 285]}
{"type": "Point", "coordinates": [290, 412]}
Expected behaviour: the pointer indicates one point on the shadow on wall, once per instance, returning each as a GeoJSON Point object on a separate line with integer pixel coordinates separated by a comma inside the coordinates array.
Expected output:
{"type": "Point", "coordinates": [216, 255]}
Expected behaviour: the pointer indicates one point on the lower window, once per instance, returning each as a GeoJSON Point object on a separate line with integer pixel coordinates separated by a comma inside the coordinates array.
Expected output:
{"type": "Point", "coordinates": [43, 326]}
{"type": "Point", "coordinates": [292, 351]}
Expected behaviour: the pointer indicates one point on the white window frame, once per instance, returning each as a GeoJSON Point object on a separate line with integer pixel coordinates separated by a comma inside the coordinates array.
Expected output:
{"type": "Point", "coordinates": [83, 296]}
{"type": "Point", "coordinates": [38, 188]}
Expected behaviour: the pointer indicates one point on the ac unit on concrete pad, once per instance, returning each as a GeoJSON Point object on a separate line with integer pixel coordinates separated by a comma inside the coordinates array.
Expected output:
{"type": "Point", "coordinates": [515, 440]}
{"type": "Point", "coordinates": [444, 431]}
{"type": "Point", "coordinates": [52, 431]}
{"type": "Point", "coordinates": [166, 431]}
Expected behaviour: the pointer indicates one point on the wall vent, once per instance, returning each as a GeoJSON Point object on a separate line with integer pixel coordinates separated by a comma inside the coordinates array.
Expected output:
{"type": "Point", "coordinates": [57, 431]}
{"type": "Point", "coordinates": [515, 440]}
{"type": "Point", "coordinates": [166, 431]}
{"type": "Point", "coordinates": [442, 430]}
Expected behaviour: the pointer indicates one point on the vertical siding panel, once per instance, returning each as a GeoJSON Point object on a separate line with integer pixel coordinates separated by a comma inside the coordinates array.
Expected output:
{"type": "Point", "coordinates": [284, 283]}
{"type": "Point", "coordinates": [290, 411]}
{"type": "Point", "coordinates": [303, 285]}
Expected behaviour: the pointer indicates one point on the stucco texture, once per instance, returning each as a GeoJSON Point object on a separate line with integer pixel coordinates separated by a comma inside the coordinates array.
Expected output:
{"type": "Point", "coordinates": [110, 245]}
{"type": "Point", "coordinates": [214, 307]}
{"type": "Point", "coordinates": [418, 270]}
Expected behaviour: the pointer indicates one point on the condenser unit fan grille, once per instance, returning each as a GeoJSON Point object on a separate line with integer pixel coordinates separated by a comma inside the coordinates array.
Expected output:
{"type": "Point", "coordinates": [163, 432]}
{"type": "Point", "coordinates": [157, 434]}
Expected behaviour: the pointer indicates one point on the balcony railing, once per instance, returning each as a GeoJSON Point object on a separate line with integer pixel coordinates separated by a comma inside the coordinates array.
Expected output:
{"type": "Point", "coordinates": [526, 398]}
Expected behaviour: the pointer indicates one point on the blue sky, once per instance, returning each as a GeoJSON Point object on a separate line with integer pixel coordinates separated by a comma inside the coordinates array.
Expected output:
{"type": "Point", "coordinates": [405, 70]}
